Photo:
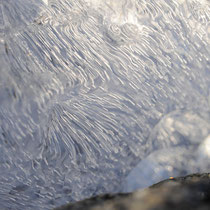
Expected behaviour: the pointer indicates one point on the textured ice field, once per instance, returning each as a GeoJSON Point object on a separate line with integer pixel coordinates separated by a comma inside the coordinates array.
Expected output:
{"type": "Point", "coordinates": [100, 96]}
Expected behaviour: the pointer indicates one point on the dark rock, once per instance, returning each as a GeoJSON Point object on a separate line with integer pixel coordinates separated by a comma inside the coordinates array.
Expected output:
{"type": "Point", "coordinates": [191, 192]}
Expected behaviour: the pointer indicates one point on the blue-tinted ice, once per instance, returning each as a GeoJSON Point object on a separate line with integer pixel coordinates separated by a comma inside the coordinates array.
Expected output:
{"type": "Point", "coordinates": [91, 88]}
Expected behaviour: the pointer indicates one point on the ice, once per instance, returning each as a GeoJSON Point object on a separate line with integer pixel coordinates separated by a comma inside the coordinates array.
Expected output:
{"type": "Point", "coordinates": [180, 145]}
{"type": "Point", "coordinates": [45, 1]}
{"type": "Point", "coordinates": [95, 95]}
{"type": "Point", "coordinates": [204, 150]}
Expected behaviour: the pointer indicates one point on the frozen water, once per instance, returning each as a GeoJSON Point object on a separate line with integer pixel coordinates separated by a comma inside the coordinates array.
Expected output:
{"type": "Point", "coordinates": [90, 89]}
{"type": "Point", "coordinates": [45, 1]}
{"type": "Point", "coordinates": [180, 142]}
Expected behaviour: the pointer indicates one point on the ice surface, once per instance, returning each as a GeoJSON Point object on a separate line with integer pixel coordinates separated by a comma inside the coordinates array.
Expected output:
{"type": "Point", "coordinates": [178, 145]}
{"type": "Point", "coordinates": [45, 1]}
{"type": "Point", "coordinates": [90, 89]}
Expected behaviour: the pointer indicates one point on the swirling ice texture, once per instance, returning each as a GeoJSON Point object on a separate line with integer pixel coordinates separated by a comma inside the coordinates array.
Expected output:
{"type": "Point", "coordinates": [90, 88]}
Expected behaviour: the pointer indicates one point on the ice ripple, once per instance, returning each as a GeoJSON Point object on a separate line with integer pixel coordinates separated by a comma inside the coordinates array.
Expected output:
{"type": "Point", "coordinates": [86, 87]}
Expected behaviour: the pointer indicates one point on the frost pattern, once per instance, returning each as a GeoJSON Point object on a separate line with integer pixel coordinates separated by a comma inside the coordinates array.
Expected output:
{"type": "Point", "coordinates": [89, 88]}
